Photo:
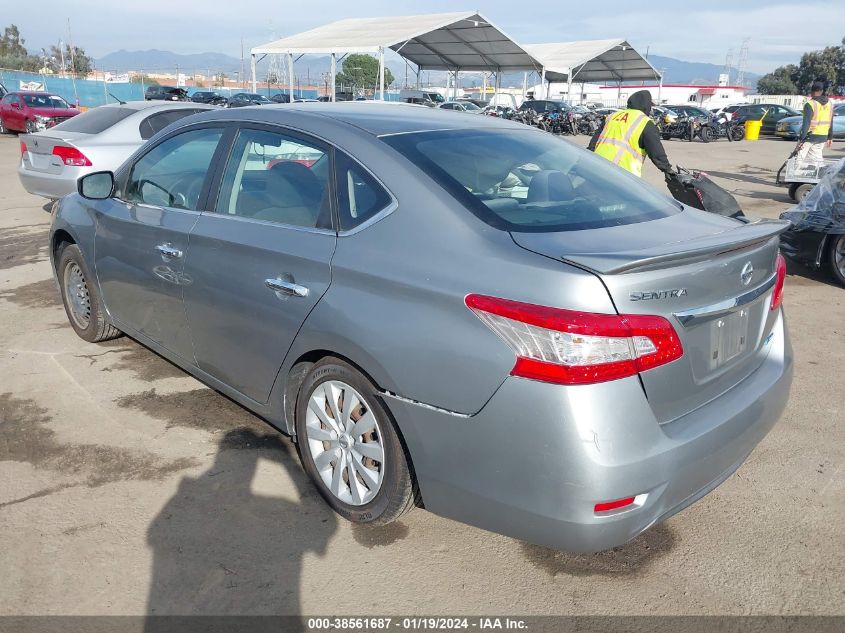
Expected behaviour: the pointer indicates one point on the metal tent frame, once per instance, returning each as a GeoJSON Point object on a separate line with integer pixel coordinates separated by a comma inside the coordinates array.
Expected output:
{"type": "Point", "coordinates": [593, 61]}
{"type": "Point", "coordinates": [443, 41]}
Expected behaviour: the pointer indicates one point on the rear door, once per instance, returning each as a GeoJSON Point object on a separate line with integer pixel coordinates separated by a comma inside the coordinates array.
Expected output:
{"type": "Point", "coordinates": [142, 236]}
{"type": "Point", "coordinates": [261, 260]}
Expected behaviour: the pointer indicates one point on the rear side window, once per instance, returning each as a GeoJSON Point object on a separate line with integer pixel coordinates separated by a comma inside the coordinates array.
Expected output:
{"type": "Point", "coordinates": [528, 181]}
{"type": "Point", "coordinates": [155, 123]}
{"type": "Point", "coordinates": [96, 120]}
{"type": "Point", "coordinates": [359, 194]}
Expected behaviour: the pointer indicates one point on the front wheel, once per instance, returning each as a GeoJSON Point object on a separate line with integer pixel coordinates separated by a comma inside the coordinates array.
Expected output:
{"type": "Point", "coordinates": [706, 134]}
{"type": "Point", "coordinates": [3, 129]}
{"type": "Point", "coordinates": [350, 447]}
{"type": "Point", "coordinates": [737, 133]}
{"type": "Point", "coordinates": [81, 298]}
{"type": "Point", "coordinates": [30, 127]}
{"type": "Point", "coordinates": [837, 259]}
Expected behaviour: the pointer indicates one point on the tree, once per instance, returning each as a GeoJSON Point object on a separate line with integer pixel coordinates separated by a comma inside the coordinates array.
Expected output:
{"type": "Point", "coordinates": [143, 79]}
{"type": "Point", "coordinates": [824, 65]}
{"type": "Point", "coordinates": [361, 72]}
{"type": "Point", "coordinates": [12, 44]}
{"type": "Point", "coordinates": [778, 82]}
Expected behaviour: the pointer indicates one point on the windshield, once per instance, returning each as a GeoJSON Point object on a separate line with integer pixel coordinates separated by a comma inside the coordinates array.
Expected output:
{"type": "Point", "coordinates": [528, 181]}
{"type": "Point", "coordinates": [45, 101]}
{"type": "Point", "coordinates": [96, 120]}
{"type": "Point", "coordinates": [436, 97]}
{"type": "Point", "coordinates": [469, 105]}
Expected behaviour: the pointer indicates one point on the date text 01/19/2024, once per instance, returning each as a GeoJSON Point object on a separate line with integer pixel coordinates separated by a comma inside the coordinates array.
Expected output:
{"type": "Point", "coordinates": [416, 623]}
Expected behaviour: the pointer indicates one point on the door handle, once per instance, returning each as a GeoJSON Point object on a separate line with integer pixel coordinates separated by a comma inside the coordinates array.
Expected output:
{"type": "Point", "coordinates": [168, 252]}
{"type": "Point", "coordinates": [287, 287]}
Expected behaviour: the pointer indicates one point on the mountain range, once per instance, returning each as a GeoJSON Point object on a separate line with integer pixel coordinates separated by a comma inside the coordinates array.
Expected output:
{"type": "Point", "coordinates": [310, 68]}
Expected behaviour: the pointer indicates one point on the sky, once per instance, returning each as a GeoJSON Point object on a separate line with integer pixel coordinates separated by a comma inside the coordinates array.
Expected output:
{"type": "Point", "coordinates": [701, 31]}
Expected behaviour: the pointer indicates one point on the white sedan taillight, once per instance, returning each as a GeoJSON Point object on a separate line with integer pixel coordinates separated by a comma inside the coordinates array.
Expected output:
{"type": "Point", "coordinates": [576, 348]}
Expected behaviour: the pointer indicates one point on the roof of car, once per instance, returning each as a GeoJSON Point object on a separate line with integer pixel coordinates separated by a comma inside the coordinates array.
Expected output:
{"type": "Point", "coordinates": [370, 116]}
{"type": "Point", "coordinates": [39, 93]}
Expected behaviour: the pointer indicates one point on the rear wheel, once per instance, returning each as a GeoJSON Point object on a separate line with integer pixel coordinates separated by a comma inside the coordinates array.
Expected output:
{"type": "Point", "coordinates": [837, 259]}
{"type": "Point", "coordinates": [737, 132]}
{"type": "Point", "coordinates": [706, 134]}
{"type": "Point", "coordinates": [349, 446]}
{"type": "Point", "coordinates": [81, 299]}
{"type": "Point", "coordinates": [30, 127]}
{"type": "Point", "coordinates": [801, 190]}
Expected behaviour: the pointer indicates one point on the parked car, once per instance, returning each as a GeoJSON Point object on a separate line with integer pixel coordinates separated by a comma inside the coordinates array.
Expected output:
{"type": "Point", "coordinates": [689, 111]}
{"type": "Point", "coordinates": [790, 127]}
{"type": "Point", "coordinates": [481, 103]}
{"type": "Point", "coordinates": [771, 113]}
{"type": "Point", "coordinates": [728, 110]}
{"type": "Point", "coordinates": [421, 97]}
{"type": "Point", "coordinates": [210, 97]}
{"type": "Point", "coordinates": [32, 111]}
{"type": "Point", "coordinates": [101, 138]}
{"type": "Point", "coordinates": [541, 106]}
{"type": "Point", "coordinates": [461, 106]}
{"type": "Point", "coordinates": [549, 348]}
{"type": "Point", "coordinates": [281, 97]}
{"type": "Point", "coordinates": [166, 93]}
{"type": "Point", "coordinates": [242, 99]}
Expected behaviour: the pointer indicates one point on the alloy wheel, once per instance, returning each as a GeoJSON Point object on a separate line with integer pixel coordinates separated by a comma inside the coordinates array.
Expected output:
{"type": "Point", "coordinates": [76, 291]}
{"type": "Point", "coordinates": [345, 442]}
{"type": "Point", "coordinates": [839, 256]}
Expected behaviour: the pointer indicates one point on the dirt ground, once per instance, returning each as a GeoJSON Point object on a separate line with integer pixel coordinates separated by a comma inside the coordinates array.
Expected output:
{"type": "Point", "coordinates": [127, 487]}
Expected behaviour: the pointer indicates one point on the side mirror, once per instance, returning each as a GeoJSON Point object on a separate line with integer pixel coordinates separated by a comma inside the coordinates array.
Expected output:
{"type": "Point", "coordinates": [96, 186]}
{"type": "Point", "coordinates": [16, 105]}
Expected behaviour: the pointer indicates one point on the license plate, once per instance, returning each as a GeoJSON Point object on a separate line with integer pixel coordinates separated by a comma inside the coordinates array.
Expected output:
{"type": "Point", "coordinates": [728, 338]}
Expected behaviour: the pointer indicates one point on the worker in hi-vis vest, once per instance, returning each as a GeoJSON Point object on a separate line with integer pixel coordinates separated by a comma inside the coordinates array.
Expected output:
{"type": "Point", "coordinates": [628, 136]}
{"type": "Point", "coordinates": [817, 129]}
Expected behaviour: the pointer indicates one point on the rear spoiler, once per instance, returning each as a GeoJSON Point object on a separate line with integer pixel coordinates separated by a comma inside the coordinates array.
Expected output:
{"type": "Point", "coordinates": [743, 236]}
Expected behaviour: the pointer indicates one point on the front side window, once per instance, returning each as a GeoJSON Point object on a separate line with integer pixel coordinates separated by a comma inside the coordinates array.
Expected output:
{"type": "Point", "coordinates": [172, 174]}
{"type": "Point", "coordinates": [359, 194]}
{"type": "Point", "coordinates": [277, 178]}
{"type": "Point", "coordinates": [531, 182]}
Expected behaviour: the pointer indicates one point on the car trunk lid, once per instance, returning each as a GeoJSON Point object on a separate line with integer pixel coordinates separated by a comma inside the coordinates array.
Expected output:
{"type": "Point", "coordinates": [712, 277]}
{"type": "Point", "coordinates": [39, 154]}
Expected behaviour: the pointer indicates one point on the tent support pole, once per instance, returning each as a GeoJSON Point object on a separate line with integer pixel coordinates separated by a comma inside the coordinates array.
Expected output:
{"type": "Point", "coordinates": [484, 86]}
{"type": "Point", "coordinates": [290, 76]}
{"type": "Point", "coordinates": [659, 88]}
{"type": "Point", "coordinates": [381, 74]}
{"type": "Point", "coordinates": [543, 83]}
{"type": "Point", "coordinates": [252, 68]}
{"type": "Point", "coordinates": [455, 86]}
{"type": "Point", "coordinates": [524, 84]}
{"type": "Point", "coordinates": [334, 72]}
{"type": "Point", "coordinates": [569, 87]}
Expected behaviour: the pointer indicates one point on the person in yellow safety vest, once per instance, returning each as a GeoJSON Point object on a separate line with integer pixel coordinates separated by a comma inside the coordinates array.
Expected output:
{"type": "Point", "coordinates": [628, 136]}
{"type": "Point", "coordinates": [817, 129]}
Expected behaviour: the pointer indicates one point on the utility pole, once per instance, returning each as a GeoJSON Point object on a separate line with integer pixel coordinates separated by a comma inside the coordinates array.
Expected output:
{"type": "Point", "coordinates": [743, 62]}
{"type": "Point", "coordinates": [242, 60]}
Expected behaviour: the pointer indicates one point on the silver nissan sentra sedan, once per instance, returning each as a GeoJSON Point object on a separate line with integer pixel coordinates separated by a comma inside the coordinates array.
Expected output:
{"type": "Point", "coordinates": [456, 312]}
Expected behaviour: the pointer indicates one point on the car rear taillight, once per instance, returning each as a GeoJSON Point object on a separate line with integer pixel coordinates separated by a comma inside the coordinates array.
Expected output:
{"type": "Point", "coordinates": [71, 156]}
{"type": "Point", "coordinates": [577, 348]}
{"type": "Point", "coordinates": [614, 505]}
{"type": "Point", "coordinates": [777, 294]}
{"type": "Point", "coordinates": [23, 148]}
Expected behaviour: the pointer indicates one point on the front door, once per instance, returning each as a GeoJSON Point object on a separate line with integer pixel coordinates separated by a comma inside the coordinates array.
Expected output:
{"type": "Point", "coordinates": [262, 259]}
{"type": "Point", "coordinates": [142, 238]}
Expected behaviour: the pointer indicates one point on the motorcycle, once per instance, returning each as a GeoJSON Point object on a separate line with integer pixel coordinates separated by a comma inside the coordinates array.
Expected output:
{"type": "Point", "coordinates": [724, 127]}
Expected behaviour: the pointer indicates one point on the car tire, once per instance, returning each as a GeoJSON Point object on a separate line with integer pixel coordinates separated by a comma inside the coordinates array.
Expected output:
{"type": "Point", "coordinates": [3, 129]}
{"type": "Point", "coordinates": [379, 496]}
{"type": "Point", "coordinates": [837, 258]}
{"type": "Point", "coordinates": [81, 298]}
{"type": "Point", "coordinates": [30, 127]}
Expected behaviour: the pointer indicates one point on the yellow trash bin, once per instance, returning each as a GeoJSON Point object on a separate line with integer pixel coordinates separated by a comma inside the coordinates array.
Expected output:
{"type": "Point", "coordinates": [752, 130]}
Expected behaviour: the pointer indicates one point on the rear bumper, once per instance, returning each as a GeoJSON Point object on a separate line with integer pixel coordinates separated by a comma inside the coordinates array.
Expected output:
{"type": "Point", "coordinates": [51, 186]}
{"type": "Point", "coordinates": [537, 458]}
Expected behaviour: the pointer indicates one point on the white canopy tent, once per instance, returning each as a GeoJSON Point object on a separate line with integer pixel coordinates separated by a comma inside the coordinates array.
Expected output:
{"type": "Point", "coordinates": [593, 61]}
{"type": "Point", "coordinates": [442, 41]}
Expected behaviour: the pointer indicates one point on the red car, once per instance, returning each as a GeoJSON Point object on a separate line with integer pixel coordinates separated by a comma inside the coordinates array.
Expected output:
{"type": "Point", "coordinates": [33, 111]}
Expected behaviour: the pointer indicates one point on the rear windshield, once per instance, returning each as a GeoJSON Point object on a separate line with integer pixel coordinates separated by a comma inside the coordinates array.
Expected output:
{"type": "Point", "coordinates": [529, 181]}
{"type": "Point", "coordinates": [95, 120]}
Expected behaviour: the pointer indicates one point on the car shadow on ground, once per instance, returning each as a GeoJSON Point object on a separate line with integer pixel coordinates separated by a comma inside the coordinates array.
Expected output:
{"type": "Point", "coordinates": [801, 274]}
{"type": "Point", "coordinates": [219, 548]}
